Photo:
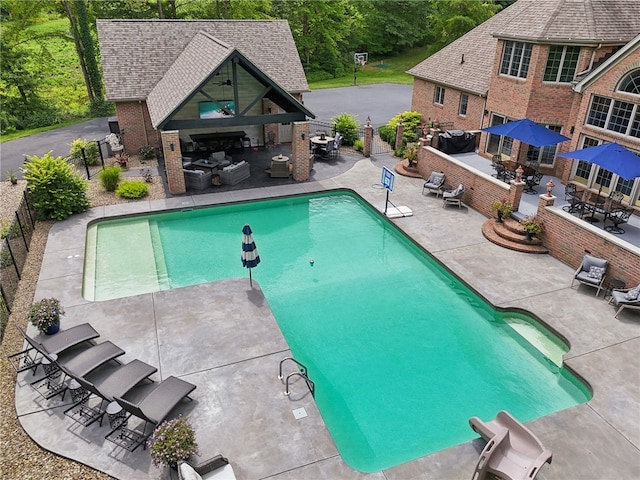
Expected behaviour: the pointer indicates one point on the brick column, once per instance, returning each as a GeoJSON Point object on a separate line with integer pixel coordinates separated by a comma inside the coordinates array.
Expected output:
{"type": "Point", "coordinates": [399, 134]}
{"type": "Point", "coordinates": [546, 201]}
{"type": "Point", "coordinates": [368, 139]}
{"type": "Point", "coordinates": [300, 154]}
{"type": "Point", "coordinates": [173, 161]}
{"type": "Point", "coordinates": [515, 193]}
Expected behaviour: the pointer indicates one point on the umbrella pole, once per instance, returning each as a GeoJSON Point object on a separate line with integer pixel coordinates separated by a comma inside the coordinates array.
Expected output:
{"type": "Point", "coordinates": [250, 281]}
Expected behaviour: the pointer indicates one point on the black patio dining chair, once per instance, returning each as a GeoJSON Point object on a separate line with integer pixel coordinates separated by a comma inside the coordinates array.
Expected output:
{"type": "Point", "coordinates": [572, 196]}
{"type": "Point", "coordinates": [617, 217]}
{"type": "Point", "coordinates": [532, 179]}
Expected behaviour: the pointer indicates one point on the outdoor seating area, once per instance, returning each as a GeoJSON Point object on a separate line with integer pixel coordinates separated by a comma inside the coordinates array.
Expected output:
{"type": "Point", "coordinates": [73, 362]}
{"type": "Point", "coordinates": [625, 299]}
{"type": "Point", "coordinates": [322, 146]}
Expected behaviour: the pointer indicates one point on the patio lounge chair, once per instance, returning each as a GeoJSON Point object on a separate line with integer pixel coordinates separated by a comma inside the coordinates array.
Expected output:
{"type": "Point", "coordinates": [152, 409]}
{"type": "Point", "coordinates": [217, 468]}
{"type": "Point", "coordinates": [434, 183]}
{"type": "Point", "coordinates": [74, 365]}
{"type": "Point", "coordinates": [453, 198]}
{"type": "Point", "coordinates": [591, 272]}
{"type": "Point", "coordinates": [627, 298]}
{"type": "Point", "coordinates": [55, 344]}
{"type": "Point", "coordinates": [114, 384]}
{"type": "Point", "coordinates": [512, 450]}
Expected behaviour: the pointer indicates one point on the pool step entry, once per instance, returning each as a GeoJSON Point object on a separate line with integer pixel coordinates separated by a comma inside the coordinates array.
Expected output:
{"type": "Point", "coordinates": [301, 372]}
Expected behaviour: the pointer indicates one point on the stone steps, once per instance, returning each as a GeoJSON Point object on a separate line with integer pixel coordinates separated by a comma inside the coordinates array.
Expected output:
{"type": "Point", "coordinates": [510, 234]}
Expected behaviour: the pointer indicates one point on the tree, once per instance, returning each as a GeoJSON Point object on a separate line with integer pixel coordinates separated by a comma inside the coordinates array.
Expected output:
{"type": "Point", "coordinates": [77, 14]}
{"type": "Point", "coordinates": [389, 28]}
{"type": "Point", "coordinates": [451, 19]}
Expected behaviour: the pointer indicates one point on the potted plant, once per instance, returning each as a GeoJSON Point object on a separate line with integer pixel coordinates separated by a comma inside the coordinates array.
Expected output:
{"type": "Point", "coordinates": [411, 154]}
{"type": "Point", "coordinates": [171, 442]}
{"type": "Point", "coordinates": [11, 176]}
{"type": "Point", "coordinates": [45, 315]}
{"type": "Point", "coordinates": [502, 209]}
{"type": "Point", "coordinates": [122, 159]}
{"type": "Point", "coordinates": [532, 226]}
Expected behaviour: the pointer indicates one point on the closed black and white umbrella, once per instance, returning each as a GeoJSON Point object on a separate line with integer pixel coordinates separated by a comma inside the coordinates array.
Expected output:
{"type": "Point", "coordinates": [250, 257]}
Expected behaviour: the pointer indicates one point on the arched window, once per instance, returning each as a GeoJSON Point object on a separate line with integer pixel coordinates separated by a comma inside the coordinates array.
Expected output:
{"type": "Point", "coordinates": [630, 83]}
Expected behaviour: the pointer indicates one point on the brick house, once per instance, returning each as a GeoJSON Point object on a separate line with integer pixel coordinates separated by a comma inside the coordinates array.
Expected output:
{"type": "Point", "coordinates": [571, 66]}
{"type": "Point", "coordinates": [176, 80]}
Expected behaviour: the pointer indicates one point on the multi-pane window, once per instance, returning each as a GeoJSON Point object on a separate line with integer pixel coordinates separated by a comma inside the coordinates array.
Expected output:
{"type": "Point", "coordinates": [615, 115]}
{"type": "Point", "coordinates": [594, 176]}
{"type": "Point", "coordinates": [631, 83]}
{"type": "Point", "coordinates": [516, 57]}
{"type": "Point", "coordinates": [544, 155]}
{"type": "Point", "coordinates": [438, 95]}
{"type": "Point", "coordinates": [499, 143]}
{"type": "Point", "coordinates": [464, 101]}
{"type": "Point", "coordinates": [561, 64]}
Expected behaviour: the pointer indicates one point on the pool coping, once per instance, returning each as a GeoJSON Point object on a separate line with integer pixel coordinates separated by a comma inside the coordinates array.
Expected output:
{"type": "Point", "coordinates": [599, 345]}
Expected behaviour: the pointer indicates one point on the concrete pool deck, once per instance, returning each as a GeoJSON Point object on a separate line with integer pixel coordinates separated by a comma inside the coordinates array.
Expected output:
{"type": "Point", "coordinates": [223, 338]}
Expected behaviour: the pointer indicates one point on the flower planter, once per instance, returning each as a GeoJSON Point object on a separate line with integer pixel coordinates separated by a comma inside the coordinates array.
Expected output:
{"type": "Point", "coordinates": [52, 330]}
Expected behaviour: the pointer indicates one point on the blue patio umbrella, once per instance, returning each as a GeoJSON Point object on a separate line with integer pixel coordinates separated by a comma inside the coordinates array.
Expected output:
{"type": "Point", "coordinates": [528, 132]}
{"type": "Point", "coordinates": [611, 156]}
{"type": "Point", "coordinates": [250, 257]}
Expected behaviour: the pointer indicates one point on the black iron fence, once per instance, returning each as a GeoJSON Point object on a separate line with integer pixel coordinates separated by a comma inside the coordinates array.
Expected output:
{"type": "Point", "coordinates": [16, 238]}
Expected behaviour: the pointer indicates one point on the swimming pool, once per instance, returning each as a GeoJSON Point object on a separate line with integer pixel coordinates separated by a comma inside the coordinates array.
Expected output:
{"type": "Point", "coordinates": [402, 352]}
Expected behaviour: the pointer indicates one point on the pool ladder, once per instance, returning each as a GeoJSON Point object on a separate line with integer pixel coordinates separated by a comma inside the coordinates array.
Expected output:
{"type": "Point", "coordinates": [302, 372]}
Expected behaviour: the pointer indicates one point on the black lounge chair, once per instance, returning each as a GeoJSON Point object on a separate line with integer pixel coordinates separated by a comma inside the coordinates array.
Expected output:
{"type": "Point", "coordinates": [55, 344]}
{"type": "Point", "coordinates": [152, 409]}
{"type": "Point", "coordinates": [74, 365]}
{"type": "Point", "coordinates": [106, 386]}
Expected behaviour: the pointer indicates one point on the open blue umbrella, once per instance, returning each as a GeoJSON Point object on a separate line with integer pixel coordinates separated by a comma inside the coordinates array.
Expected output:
{"type": "Point", "coordinates": [611, 156]}
{"type": "Point", "coordinates": [528, 132]}
{"type": "Point", "coordinates": [250, 257]}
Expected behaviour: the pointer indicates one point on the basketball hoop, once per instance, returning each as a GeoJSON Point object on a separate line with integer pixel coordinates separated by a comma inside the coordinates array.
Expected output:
{"type": "Point", "coordinates": [360, 58]}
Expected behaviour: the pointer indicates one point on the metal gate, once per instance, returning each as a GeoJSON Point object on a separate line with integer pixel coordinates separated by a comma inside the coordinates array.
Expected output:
{"type": "Point", "coordinates": [378, 145]}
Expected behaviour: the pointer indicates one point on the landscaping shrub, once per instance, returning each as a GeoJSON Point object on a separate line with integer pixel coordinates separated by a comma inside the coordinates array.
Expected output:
{"type": "Point", "coordinates": [410, 120]}
{"type": "Point", "coordinates": [347, 125]}
{"type": "Point", "coordinates": [146, 152]}
{"type": "Point", "coordinates": [90, 152]}
{"type": "Point", "coordinates": [110, 177]}
{"type": "Point", "coordinates": [358, 146]}
{"type": "Point", "coordinates": [56, 190]}
{"type": "Point", "coordinates": [132, 189]}
{"type": "Point", "coordinates": [388, 134]}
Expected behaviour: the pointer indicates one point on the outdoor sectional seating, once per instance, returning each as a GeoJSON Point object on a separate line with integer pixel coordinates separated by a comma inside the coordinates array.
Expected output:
{"type": "Point", "coordinates": [197, 179]}
{"type": "Point", "coordinates": [235, 173]}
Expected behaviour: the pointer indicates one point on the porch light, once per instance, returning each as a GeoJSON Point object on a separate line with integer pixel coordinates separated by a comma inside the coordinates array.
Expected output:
{"type": "Point", "coordinates": [550, 186]}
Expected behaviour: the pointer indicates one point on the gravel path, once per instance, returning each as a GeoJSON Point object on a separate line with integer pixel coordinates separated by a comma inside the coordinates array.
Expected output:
{"type": "Point", "coordinates": [21, 457]}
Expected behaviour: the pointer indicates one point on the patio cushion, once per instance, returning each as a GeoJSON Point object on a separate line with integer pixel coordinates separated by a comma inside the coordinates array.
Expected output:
{"type": "Point", "coordinates": [596, 272]}
{"type": "Point", "coordinates": [633, 293]}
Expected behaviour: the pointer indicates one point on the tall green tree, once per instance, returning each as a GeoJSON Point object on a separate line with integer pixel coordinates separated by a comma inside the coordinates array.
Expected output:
{"type": "Point", "coordinates": [389, 28]}
{"type": "Point", "coordinates": [321, 30]}
{"type": "Point", "coordinates": [81, 27]}
{"type": "Point", "coordinates": [22, 67]}
{"type": "Point", "coordinates": [450, 19]}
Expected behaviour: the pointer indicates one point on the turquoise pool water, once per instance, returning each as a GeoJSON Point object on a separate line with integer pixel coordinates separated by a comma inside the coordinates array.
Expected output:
{"type": "Point", "coordinates": [401, 351]}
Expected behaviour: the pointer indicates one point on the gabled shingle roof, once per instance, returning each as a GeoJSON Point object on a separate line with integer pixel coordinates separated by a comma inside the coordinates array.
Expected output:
{"type": "Point", "coordinates": [192, 67]}
{"type": "Point", "coordinates": [585, 22]}
{"type": "Point", "coordinates": [137, 53]}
